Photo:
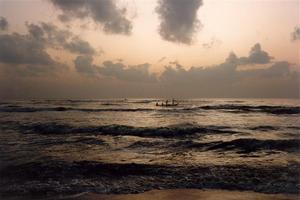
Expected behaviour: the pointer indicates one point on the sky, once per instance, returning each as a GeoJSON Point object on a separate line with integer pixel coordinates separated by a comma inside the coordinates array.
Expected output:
{"type": "Point", "coordinates": [149, 48]}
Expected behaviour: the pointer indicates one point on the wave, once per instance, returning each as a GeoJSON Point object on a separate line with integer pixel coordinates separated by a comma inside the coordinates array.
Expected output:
{"type": "Point", "coordinates": [238, 108]}
{"type": "Point", "coordinates": [179, 130]}
{"type": "Point", "coordinates": [75, 100]}
{"type": "Point", "coordinates": [145, 101]}
{"type": "Point", "coordinates": [63, 177]}
{"type": "Point", "coordinates": [248, 145]}
{"type": "Point", "coordinates": [233, 108]}
{"type": "Point", "coordinates": [146, 144]}
{"type": "Point", "coordinates": [76, 140]}
{"type": "Point", "coordinates": [246, 108]}
{"type": "Point", "coordinates": [112, 104]}
{"type": "Point", "coordinates": [264, 128]}
{"type": "Point", "coordinates": [242, 146]}
{"type": "Point", "coordinates": [235, 101]}
{"type": "Point", "coordinates": [61, 109]}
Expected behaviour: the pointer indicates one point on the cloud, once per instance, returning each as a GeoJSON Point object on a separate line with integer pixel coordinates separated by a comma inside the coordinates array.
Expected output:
{"type": "Point", "coordinates": [194, 78]}
{"type": "Point", "coordinates": [256, 56]}
{"type": "Point", "coordinates": [64, 18]}
{"type": "Point", "coordinates": [227, 80]}
{"type": "Point", "coordinates": [57, 38]}
{"type": "Point", "coordinates": [80, 46]}
{"type": "Point", "coordinates": [38, 70]}
{"type": "Point", "coordinates": [161, 59]}
{"type": "Point", "coordinates": [23, 49]}
{"type": "Point", "coordinates": [296, 34]}
{"type": "Point", "coordinates": [213, 42]}
{"type": "Point", "coordinates": [178, 19]}
{"type": "Point", "coordinates": [3, 23]}
{"type": "Point", "coordinates": [83, 65]}
{"type": "Point", "coordinates": [103, 12]}
{"type": "Point", "coordinates": [55, 35]}
{"type": "Point", "coordinates": [116, 70]}
{"type": "Point", "coordinates": [137, 73]}
{"type": "Point", "coordinates": [276, 70]}
{"type": "Point", "coordinates": [35, 31]}
{"type": "Point", "coordinates": [27, 54]}
{"type": "Point", "coordinates": [50, 34]}
{"type": "Point", "coordinates": [116, 79]}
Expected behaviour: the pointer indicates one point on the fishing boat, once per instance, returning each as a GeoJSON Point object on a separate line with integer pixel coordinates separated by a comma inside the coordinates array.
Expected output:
{"type": "Point", "coordinates": [167, 104]}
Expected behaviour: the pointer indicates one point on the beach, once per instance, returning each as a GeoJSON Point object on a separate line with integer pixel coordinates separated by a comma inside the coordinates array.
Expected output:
{"type": "Point", "coordinates": [189, 194]}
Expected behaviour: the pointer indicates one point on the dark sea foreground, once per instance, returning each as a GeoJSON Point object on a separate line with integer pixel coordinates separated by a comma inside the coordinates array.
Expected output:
{"type": "Point", "coordinates": [53, 148]}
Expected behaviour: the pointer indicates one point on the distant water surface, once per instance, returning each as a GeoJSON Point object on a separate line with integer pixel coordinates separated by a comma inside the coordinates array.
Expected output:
{"type": "Point", "coordinates": [129, 146]}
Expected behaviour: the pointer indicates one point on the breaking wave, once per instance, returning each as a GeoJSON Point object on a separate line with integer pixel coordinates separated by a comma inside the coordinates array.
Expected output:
{"type": "Point", "coordinates": [179, 130]}
{"type": "Point", "coordinates": [262, 108]}
{"type": "Point", "coordinates": [243, 146]}
{"type": "Point", "coordinates": [61, 109]}
{"type": "Point", "coordinates": [248, 145]}
{"type": "Point", "coordinates": [62, 177]}
{"type": "Point", "coordinates": [233, 108]}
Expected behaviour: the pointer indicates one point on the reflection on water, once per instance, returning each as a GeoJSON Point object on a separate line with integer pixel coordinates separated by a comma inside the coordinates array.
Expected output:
{"type": "Point", "coordinates": [215, 133]}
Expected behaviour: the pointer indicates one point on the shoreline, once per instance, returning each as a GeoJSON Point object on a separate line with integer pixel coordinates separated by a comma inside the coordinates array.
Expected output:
{"type": "Point", "coordinates": [169, 194]}
{"type": "Point", "coordinates": [187, 194]}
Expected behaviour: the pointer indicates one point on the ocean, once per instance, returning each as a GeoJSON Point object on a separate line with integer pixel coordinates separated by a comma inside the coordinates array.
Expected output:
{"type": "Point", "coordinates": [120, 146]}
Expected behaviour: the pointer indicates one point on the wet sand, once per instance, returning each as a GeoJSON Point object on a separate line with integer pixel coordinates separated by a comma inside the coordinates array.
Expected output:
{"type": "Point", "coordinates": [189, 194]}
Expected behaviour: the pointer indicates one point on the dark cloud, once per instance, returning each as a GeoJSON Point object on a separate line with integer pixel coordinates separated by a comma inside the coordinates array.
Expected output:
{"type": "Point", "coordinates": [54, 34]}
{"type": "Point", "coordinates": [226, 72]}
{"type": "Point", "coordinates": [116, 79]}
{"type": "Point", "coordinates": [49, 34]}
{"type": "Point", "coordinates": [23, 49]}
{"type": "Point", "coordinates": [35, 31]}
{"type": "Point", "coordinates": [178, 19]}
{"type": "Point", "coordinates": [27, 54]}
{"type": "Point", "coordinates": [281, 68]}
{"type": "Point", "coordinates": [64, 18]}
{"type": "Point", "coordinates": [83, 65]}
{"type": "Point", "coordinates": [103, 12]}
{"type": "Point", "coordinates": [37, 70]}
{"type": "Point", "coordinates": [276, 70]}
{"type": "Point", "coordinates": [116, 70]}
{"type": "Point", "coordinates": [296, 34]}
{"type": "Point", "coordinates": [80, 46]}
{"type": "Point", "coordinates": [220, 75]}
{"type": "Point", "coordinates": [139, 73]}
{"type": "Point", "coordinates": [225, 80]}
{"type": "Point", "coordinates": [3, 23]}
{"type": "Point", "coordinates": [54, 37]}
{"type": "Point", "coordinates": [256, 56]}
